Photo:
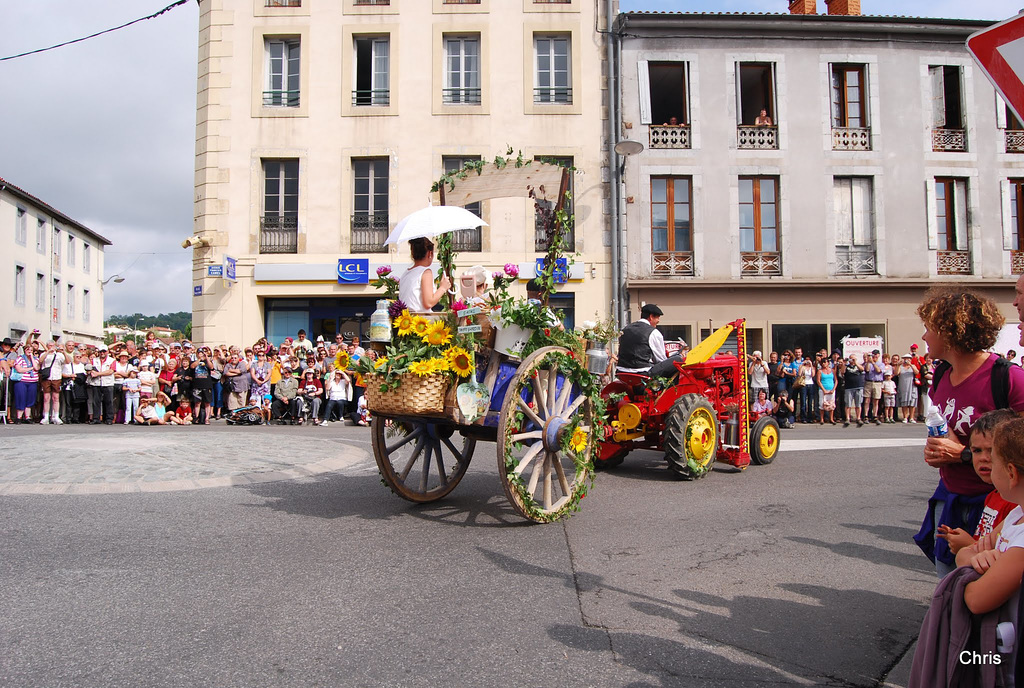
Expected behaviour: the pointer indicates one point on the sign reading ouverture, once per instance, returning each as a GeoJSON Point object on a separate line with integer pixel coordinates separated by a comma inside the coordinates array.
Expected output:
{"type": "Point", "coordinates": [353, 271]}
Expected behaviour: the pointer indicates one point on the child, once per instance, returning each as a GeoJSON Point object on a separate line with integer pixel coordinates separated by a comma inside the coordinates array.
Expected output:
{"type": "Point", "coordinates": [999, 557]}
{"type": "Point", "coordinates": [183, 414]}
{"type": "Point", "coordinates": [889, 398]}
{"type": "Point", "coordinates": [996, 508]}
{"type": "Point", "coordinates": [147, 378]}
{"type": "Point", "coordinates": [132, 388]}
{"type": "Point", "coordinates": [147, 414]}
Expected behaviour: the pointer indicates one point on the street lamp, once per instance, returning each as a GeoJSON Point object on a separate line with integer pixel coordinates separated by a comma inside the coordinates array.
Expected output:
{"type": "Point", "coordinates": [117, 280]}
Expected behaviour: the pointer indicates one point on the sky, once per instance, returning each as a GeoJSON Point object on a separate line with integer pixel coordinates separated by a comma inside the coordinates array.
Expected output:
{"type": "Point", "coordinates": [104, 130]}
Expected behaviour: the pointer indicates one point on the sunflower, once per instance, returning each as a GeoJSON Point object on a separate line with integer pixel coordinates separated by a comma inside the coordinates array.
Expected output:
{"type": "Point", "coordinates": [437, 334]}
{"type": "Point", "coordinates": [342, 361]}
{"type": "Point", "coordinates": [439, 365]}
{"type": "Point", "coordinates": [380, 363]}
{"type": "Point", "coordinates": [420, 368]}
{"type": "Point", "coordinates": [404, 323]}
{"type": "Point", "coordinates": [419, 325]}
{"type": "Point", "coordinates": [578, 441]}
{"type": "Point", "coordinates": [460, 361]}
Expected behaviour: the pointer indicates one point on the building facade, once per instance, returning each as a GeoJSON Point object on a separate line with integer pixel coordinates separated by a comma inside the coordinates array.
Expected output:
{"type": "Point", "coordinates": [813, 174]}
{"type": "Point", "coordinates": [55, 271]}
{"type": "Point", "coordinates": [320, 125]}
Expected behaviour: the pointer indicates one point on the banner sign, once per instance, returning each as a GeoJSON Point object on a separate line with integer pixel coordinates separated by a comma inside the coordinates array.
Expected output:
{"type": "Point", "coordinates": [353, 271]}
{"type": "Point", "coordinates": [858, 346]}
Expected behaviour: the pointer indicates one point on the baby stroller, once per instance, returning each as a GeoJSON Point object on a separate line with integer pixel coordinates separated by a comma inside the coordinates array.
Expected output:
{"type": "Point", "coordinates": [247, 415]}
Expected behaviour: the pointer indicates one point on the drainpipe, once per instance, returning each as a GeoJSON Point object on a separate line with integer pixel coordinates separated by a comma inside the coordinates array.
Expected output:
{"type": "Point", "coordinates": [613, 163]}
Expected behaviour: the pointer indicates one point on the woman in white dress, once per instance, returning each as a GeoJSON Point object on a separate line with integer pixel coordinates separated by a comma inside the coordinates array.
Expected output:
{"type": "Point", "coordinates": [416, 287]}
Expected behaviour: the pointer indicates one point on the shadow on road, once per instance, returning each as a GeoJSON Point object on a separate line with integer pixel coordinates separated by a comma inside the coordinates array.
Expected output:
{"type": "Point", "coordinates": [649, 465]}
{"type": "Point", "coordinates": [886, 532]}
{"type": "Point", "coordinates": [875, 555]}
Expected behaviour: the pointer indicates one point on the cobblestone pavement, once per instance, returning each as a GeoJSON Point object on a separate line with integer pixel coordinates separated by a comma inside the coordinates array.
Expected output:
{"type": "Point", "coordinates": [113, 459]}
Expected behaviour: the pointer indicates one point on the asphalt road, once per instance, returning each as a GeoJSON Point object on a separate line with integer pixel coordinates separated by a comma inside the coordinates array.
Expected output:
{"type": "Point", "coordinates": [801, 572]}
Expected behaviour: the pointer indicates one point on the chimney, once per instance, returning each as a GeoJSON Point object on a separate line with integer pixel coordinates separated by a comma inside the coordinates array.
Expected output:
{"type": "Point", "coordinates": [803, 6]}
{"type": "Point", "coordinates": [848, 8]}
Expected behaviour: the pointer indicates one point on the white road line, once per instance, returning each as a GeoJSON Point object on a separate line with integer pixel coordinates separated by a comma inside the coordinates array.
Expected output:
{"type": "Point", "coordinates": [787, 445]}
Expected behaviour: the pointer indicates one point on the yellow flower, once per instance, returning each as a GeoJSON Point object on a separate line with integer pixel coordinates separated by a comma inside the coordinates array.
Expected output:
{"type": "Point", "coordinates": [438, 365]}
{"type": "Point", "coordinates": [380, 363]}
{"type": "Point", "coordinates": [437, 334]}
{"type": "Point", "coordinates": [460, 361]}
{"type": "Point", "coordinates": [578, 442]}
{"type": "Point", "coordinates": [420, 368]}
{"type": "Point", "coordinates": [342, 361]}
{"type": "Point", "coordinates": [419, 325]}
{"type": "Point", "coordinates": [404, 323]}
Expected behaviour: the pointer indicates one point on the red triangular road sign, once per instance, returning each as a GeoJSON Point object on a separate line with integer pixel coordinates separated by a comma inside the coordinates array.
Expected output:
{"type": "Point", "coordinates": [999, 50]}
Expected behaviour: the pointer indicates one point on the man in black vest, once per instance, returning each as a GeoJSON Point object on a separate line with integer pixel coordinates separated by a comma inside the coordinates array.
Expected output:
{"type": "Point", "coordinates": [641, 344]}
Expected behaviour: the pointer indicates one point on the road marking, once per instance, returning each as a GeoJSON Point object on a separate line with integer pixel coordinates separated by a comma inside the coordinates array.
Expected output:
{"type": "Point", "coordinates": [820, 445]}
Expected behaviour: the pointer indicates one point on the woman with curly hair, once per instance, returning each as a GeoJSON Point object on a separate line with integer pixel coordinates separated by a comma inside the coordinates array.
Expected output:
{"type": "Point", "coordinates": [959, 326]}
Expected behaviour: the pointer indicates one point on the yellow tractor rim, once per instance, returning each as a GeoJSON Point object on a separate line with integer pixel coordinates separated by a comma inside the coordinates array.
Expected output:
{"type": "Point", "coordinates": [769, 441]}
{"type": "Point", "coordinates": [702, 440]}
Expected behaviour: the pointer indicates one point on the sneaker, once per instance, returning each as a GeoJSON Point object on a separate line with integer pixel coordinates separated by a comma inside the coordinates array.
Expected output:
{"type": "Point", "coordinates": [44, 421]}
{"type": "Point", "coordinates": [914, 421]}
{"type": "Point", "coordinates": [860, 424]}
{"type": "Point", "coordinates": [877, 422]}
{"type": "Point", "coordinates": [846, 423]}
{"type": "Point", "coordinates": [325, 424]}
{"type": "Point", "coordinates": [57, 421]}
{"type": "Point", "coordinates": [904, 421]}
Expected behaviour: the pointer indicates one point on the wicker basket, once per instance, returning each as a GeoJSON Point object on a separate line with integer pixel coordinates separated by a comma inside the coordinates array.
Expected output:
{"type": "Point", "coordinates": [414, 396]}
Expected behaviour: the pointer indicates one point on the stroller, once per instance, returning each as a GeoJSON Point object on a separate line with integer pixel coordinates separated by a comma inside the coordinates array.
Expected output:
{"type": "Point", "coordinates": [248, 415]}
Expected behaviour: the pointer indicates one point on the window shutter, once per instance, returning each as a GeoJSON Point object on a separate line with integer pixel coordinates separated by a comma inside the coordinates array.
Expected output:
{"type": "Point", "coordinates": [381, 67]}
{"type": "Point", "coordinates": [938, 97]}
{"type": "Point", "coordinates": [644, 82]}
{"type": "Point", "coordinates": [836, 97]}
{"type": "Point", "coordinates": [862, 230]}
{"type": "Point", "coordinates": [844, 216]}
{"type": "Point", "coordinates": [739, 92]}
{"type": "Point", "coordinates": [775, 97]}
{"type": "Point", "coordinates": [1005, 196]}
{"type": "Point", "coordinates": [960, 203]}
{"type": "Point", "coordinates": [1000, 111]}
{"type": "Point", "coordinates": [686, 93]}
{"type": "Point", "coordinates": [933, 222]}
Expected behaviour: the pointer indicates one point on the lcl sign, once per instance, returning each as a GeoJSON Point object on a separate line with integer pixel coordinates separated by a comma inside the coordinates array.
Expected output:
{"type": "Point", "coordinates": [353, 271]}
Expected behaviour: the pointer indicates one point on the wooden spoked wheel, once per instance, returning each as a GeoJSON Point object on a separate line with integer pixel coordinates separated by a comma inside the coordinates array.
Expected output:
{"type": "Point", "coordinates": [543, 472]}
{"type": "Point", "coordinates": [419, 460]}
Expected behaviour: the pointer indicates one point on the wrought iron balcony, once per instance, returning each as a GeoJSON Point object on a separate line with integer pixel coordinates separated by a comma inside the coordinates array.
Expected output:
{"type": "Point", "coordinates": [761, 263]}
{"type": "Point", "coordinates": [467, 240]}
{"type": "Point", "coordinates": [379, 96]}
{"type": "Point", "coordinates": [855, 260]}
{"type": "Point", "coordinates": [461, 96]}
{"type": "Point", "coordinates": [757, 138]}
{"type": "Point", "coordinates": [673, 263]}
{"type": "Point", "coordinates": [851, 138]}
{"type": "Point", "coordinates": [954, 262]}
{"type": "Point", "coordinates": [279, 234]}
{"type": "Point", "coordinates": [373, 2]}
{"type": "Point", "coordinates": [461, 2]}
{"type": "Point", "coordinates": [1017, 262]}
{"type": "Point", "coordinates": [369, 233]}
{"type": "Point", "coordinates": [281, 98]}
{"type": "Point", "coordinates": [284, 3]}
{"type": "Point", "coordinates": [557, 95]}
{"type": "Point", "coordinates": [670, 136]}
{"type": "Point", "coordinates": [949, 140]}
{"type": "Point", "coordinates": [1014, 141]}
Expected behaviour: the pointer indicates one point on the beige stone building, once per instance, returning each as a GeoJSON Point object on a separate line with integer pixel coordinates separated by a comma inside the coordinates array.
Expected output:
{"type": "Point", "coordinates": [321, 124]}
{"type": "Point", "coordinates": [883, 162]}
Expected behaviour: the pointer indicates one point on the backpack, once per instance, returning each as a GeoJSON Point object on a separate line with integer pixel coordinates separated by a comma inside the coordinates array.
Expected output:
{"type": "Point", "coordinates": [1000, 380]}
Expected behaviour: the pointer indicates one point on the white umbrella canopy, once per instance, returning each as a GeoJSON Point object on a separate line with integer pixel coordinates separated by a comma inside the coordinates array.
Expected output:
{"type": "Point", "coordinates": [433, 220]}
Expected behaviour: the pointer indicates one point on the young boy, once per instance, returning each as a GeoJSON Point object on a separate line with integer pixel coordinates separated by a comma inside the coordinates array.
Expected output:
{"type": "Point", "coordinates": [889, 398]}
{"type": "Point", "coordinates": [996, 508]}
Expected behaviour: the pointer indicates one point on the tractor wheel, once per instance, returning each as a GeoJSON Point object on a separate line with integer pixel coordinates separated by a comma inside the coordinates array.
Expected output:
{"type": "Point", "coordinates": [764, 441]}
{"type": "Point", "coordinates": [691, 437]}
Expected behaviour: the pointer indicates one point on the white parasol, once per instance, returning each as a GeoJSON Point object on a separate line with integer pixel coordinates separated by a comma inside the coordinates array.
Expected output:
{"type": "Point", "coordinates": [433, 220]}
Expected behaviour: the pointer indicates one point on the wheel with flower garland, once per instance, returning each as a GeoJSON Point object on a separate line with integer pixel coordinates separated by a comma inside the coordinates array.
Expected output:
{"type": "Point", "coordinates": [546, 434]}
{"type": "Point", "coordinates": [420, 460]}
{"type": "Point", "coordinates": [691, 437]}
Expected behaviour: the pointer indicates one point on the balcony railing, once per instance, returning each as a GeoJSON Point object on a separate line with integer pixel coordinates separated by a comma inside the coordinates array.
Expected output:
{"type": "Point", "coordinates": [670, 136]}
{"type": "Point", "coordinates": [1017, 262]}
{"type": "Point", "coordinates": [855, 260]}
{"type": "Point", "coordinates": [467, 240]}
{"type": "Point", "coordinates": [757, 138]}
{"type": "Point", "coordinates": [673, 263]}
{"type": "Point", "coordinates": [949, 140]}
{"type": "Point", "coordinates": [279, 234]}
{"type": "Point", "coordinates": [281, 98]}
{"type": "Point", "coordinates": [283, 3]}
{"type": "Point", "coordinates": [761, 263]}
{"type": "Point", "coordinates": [851, 138]}
{"type": "Point", "coordinates": [954, 262]}
{"type": "Point", "coordinates": [373, 2]}
{"type": "Point", "coordinates": [461, 2]}
{"type": "Point", "coordinates": [379, 96]}
{"type": "Point", "coordinates": [461, 96]}
{"type": "Point", "coordinates": [558, 95]}
{"type": "Point", "coordinates": [540, 242]}
{"type": "Point", "coordinates": [1014, 141]}
{"type": "Point", "coordinates": [369, 233]}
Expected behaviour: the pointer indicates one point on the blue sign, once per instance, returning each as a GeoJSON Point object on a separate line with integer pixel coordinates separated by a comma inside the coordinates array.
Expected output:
{"type": "Point", "coordinates": [197, 290]}
{"type": "Point", "coordinates": [229, 268]}
{"type": "Point", "coordinates": [561, 270]}
{"type": "Point", "coordinates": [353, 271]}
{"type": "Point", "coordinates": [214, 270]}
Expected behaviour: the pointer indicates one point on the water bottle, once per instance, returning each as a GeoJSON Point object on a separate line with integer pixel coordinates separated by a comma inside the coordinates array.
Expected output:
{"type": "Point", "coordinates": [380, 323]}
{"type": "Point", "coordinates": [936, 423]}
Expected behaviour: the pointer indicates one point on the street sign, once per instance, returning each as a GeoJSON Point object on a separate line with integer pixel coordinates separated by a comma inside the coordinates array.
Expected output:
{"type": "Point", "coordinates": [214, 270]}
{"type": "Point", "coordinates": [229, 269]}
{"type": "Point", "coordinates": [999, 50]}
{"type": "Point", "coordinates": [353, 271]}
{"type": "Point", "coordinates": [197, 290]}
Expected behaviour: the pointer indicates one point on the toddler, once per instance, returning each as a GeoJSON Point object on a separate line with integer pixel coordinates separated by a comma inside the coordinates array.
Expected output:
{"type": "Point", "coordinates": [183, 414]}
{"type": "Point", "coordinates": [889, 398]}
{"type": "Point", "coordinates": [132, 388]}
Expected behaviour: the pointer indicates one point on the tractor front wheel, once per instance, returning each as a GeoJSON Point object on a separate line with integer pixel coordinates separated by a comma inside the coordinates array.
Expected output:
{"type": "Point", "coordinates": [764, 441]}
{"type": "Point", "coordinates": [691, 437]}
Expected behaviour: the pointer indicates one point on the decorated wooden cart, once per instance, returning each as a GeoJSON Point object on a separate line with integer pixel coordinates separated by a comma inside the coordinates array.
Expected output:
{"type": "Point", "coordinates": [535, 399]}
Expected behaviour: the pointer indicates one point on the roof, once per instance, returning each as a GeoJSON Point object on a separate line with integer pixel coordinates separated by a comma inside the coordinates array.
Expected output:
{"type": "Point", "coordinates": [26, 196]}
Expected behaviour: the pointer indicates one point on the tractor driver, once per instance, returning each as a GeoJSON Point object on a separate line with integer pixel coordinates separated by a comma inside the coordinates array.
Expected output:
{"type": "Point", "coordinates": [641, 344]}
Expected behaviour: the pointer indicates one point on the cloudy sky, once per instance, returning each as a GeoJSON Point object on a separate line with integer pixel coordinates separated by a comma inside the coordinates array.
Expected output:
{"type": "Point", "coordinates": [104, 130]}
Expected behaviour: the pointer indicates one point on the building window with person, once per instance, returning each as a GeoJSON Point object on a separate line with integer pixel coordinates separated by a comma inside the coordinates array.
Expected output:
{"type": "Point", "coordinates": [756, 116]}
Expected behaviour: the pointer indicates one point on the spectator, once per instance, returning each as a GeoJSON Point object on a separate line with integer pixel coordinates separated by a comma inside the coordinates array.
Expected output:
{"type": "Point", "coordinates": [874, 373]}
{"type": "Point", "coordinates": [339, 393]}
{"type": "Point", "coordinates": [762, 405]}
{"type": "Point", "coordinates": [808, 391]}
{"type": "Point", "coordinates": [51, 372]}
{"type": "Point", "coordinates": [26, 386]}
{"type": "Point", "coordinates": [236, 372]}
{"type": "Point", "coordinates": [303, 343]}
{"type": "Point", "coordinates": [286, 397]}
{"type": "Point", "coordinates": [827, 384]}
{"type": "Point", "coordinates": [853, 380]}
{"type": "Point", "coordinates": [103, 399]}
{"type": "Point", "coordinates": [311, 389]}
{"type": "Point", "coordinates": [888, 398]}
{"type": "Point", "coordinates": [758, 371]}
{"type": "Point", "coordinates": [122, 366]}
{"type": "Point", "coordinates": [784, 409]}
{"type": "Point", "coordinates": [132, 395]}
{"type": "Point", "coordinates": [202, 387]}
{"type": "Point", "coordinates": [260, 376]}
{"type": "Point", "coordinates": [774, 372]}
{"type": "Point", "coordinates": [907, 375]}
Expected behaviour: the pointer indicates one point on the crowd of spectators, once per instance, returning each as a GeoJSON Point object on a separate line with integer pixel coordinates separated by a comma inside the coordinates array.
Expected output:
{"type": "Point", "coordinates": [177, 383]}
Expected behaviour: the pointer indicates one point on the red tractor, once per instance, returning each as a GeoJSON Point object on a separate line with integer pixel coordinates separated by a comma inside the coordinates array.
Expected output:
{"type": "Point", "coordinates": [697, 413]}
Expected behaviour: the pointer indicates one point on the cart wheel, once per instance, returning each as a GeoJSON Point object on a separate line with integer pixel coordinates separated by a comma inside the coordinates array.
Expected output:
{"type": "Point", "coordinates": [543, 411]}
{"type": "Point", "coordinates": [691, 437]}
{"type": "Point", "coordinates": [419, 460]}
{"type": "Point", "coordinates": [764, 441]}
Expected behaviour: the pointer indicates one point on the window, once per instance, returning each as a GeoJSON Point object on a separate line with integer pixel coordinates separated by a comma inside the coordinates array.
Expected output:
{"type": "Point", "coordinates": [40, 291]}
{"type": "Point", "coordinates": [948, 128]}
{"type": "Point", "coordinates": [279, 226]}
{"type": "Point", "coordinates": [86, 257]}
{"type": "Point", "coordinates": [372, 65]}
{"type": "Point", "coordinates": [71, 251]}
{"type": "Point", "coordinates": [950, 214]}
{"type": "Point", "coordinates": [541, 240]}
{"type": "Point", "coordinates": [671, 230]}
{"type": "Point", "coordinates": [86, 305]}
{"type": "Point", "coordinates": [552, 70]}
{"type": "Point", "coordinates": [370, 205]}
{"type": "Point", "coordinates": [55, 301]}
{"type": "Point", "coordinates": [462, 70]}
{"type": "Point", "coordinates": [56, 248]}
{"type": "Point", "coordinates": [19, 285]}
{"type": "Point", "coordinates": [465, 239]}
{"type": "Point", "coordinates": [282, 87]}
{"type": "Point", "coordinates": [759, 226]}
{"type": "Point", "coordinates": [1016, 231]}
{"type": "Point", "coordinates": [756, 91]}
{"type": "Point", "coordinates": [71, 301]}
{"type": "Point", "coordinates": [666, 93]}
{"type": "Point", "coordinates": [21, 227]}
{"type": "Point", "coordinates": [41, 235]}
{"type": "Point", "coordinates": [849, 105]}
{"type": "Point", "coordinates": [854, 223]}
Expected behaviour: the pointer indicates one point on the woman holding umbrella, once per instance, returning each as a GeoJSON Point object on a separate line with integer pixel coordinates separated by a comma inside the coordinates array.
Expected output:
{"type": "Point", "coordinates": [416, 287]}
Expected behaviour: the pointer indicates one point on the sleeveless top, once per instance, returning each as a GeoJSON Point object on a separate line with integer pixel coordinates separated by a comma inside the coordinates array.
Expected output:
{"type": "Point", "coordinates": [828, 381]}
{"type": "Point", "coordinates": [410, 289]}
{"type": "Point", "coordinates": [635, 346]}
